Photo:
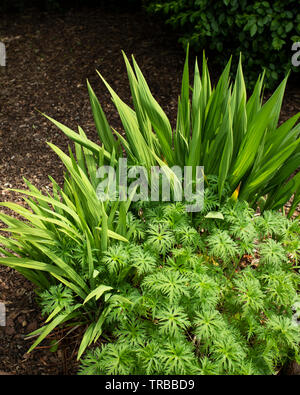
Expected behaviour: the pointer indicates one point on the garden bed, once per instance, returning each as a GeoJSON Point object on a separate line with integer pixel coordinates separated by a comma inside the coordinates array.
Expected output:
{"type": "Point", "coordinates": [47, 65]}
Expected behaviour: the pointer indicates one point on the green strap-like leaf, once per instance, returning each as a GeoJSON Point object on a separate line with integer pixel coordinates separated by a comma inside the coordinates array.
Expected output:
{"type": "Point", "coordinates": [97, 293]}
{"type": "Point", "coordinates": [49, 328]}
{"type": "Point", "coordinates": [86, 339]}
{"type": "Point", "coordinates": [102, 126]}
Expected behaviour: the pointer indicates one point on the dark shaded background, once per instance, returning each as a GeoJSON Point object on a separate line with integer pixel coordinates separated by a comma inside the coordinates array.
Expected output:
{"type": "Point", "coordinates": [63, 5]}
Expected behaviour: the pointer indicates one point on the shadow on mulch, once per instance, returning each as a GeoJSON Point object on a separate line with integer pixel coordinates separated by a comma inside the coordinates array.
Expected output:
{"type": "Point", "coordinates": [49, 57]}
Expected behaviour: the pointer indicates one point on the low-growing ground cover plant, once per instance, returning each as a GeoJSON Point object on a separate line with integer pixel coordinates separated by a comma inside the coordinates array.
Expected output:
{"type": "Point", "coordinates": [163, 290]}
{"type": "Point", "coordinates": [211, 294]}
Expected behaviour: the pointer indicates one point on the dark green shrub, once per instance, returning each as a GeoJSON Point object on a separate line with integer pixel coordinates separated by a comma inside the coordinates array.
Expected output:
{"type": "Point", "coordinates": [263, 31]}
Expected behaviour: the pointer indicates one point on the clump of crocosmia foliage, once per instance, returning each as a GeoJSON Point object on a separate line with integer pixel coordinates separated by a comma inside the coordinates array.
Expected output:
{"type": "Point", "coordinates": [225, 128]}
{"type": "Point", "coordinates": [211, 295]}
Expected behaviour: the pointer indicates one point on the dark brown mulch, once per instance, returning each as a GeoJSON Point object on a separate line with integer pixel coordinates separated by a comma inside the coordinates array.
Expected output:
{"type": "Point", "coordinates": [49, 57]}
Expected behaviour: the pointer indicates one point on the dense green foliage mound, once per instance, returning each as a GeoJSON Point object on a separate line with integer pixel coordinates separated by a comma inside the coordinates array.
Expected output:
{"type": "Point", "coordinates": [263, 31]}
{"type": "Point", "coordinates": [192, 304]}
